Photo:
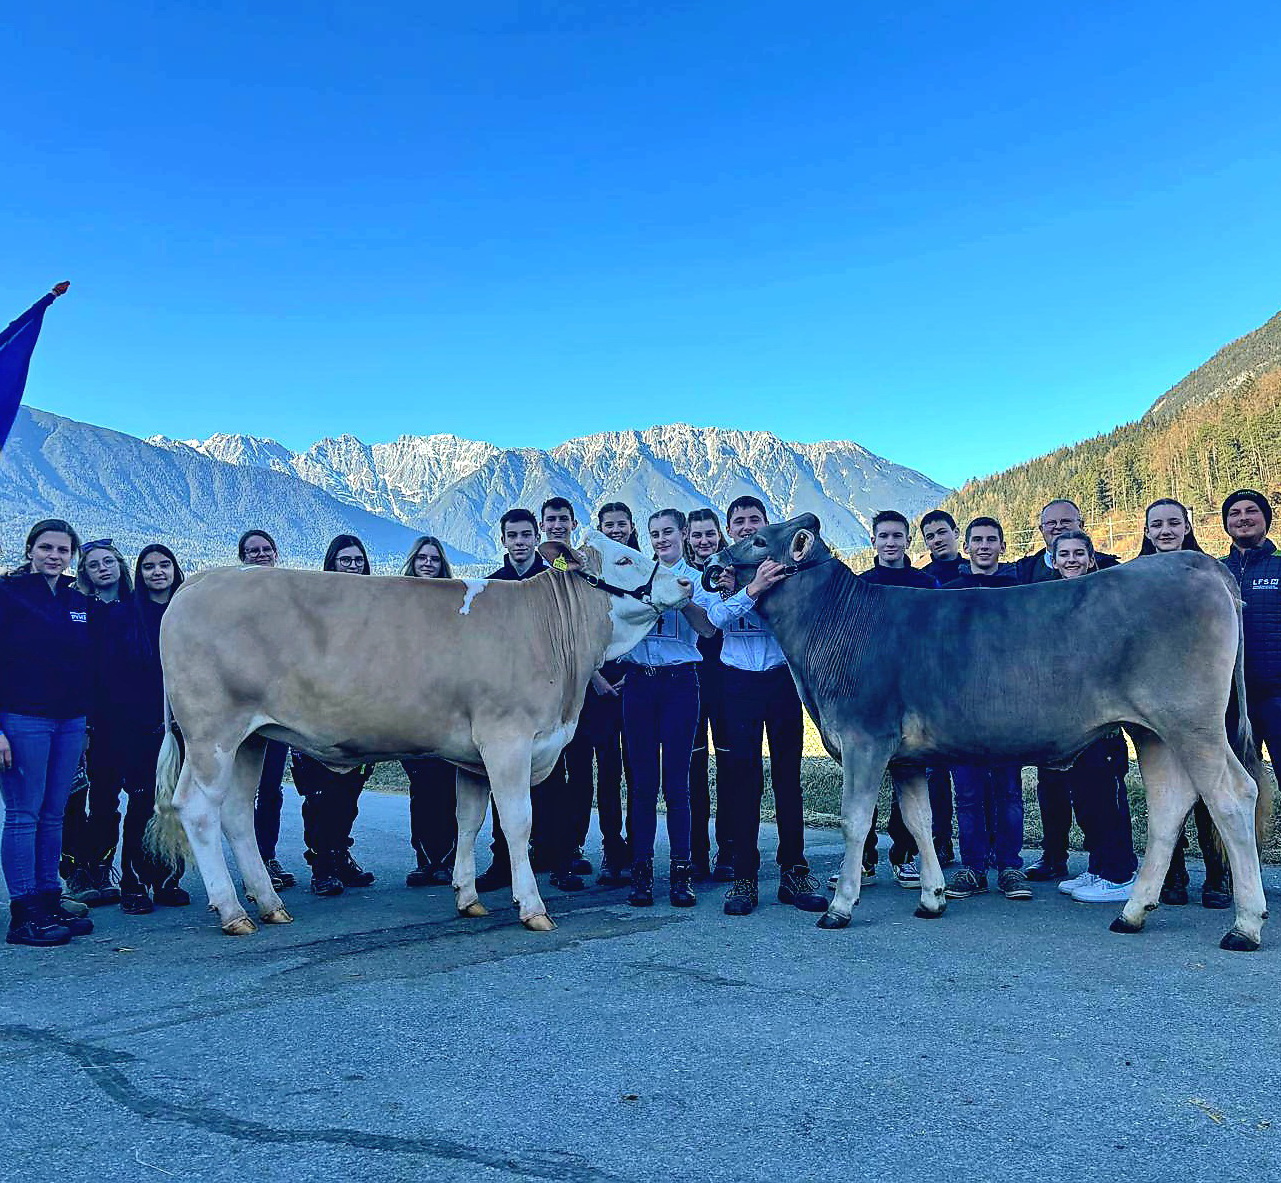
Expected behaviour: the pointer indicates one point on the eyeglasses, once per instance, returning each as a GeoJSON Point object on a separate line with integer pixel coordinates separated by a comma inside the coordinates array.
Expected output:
{"type": "Point", "coordinates": [88, 546]}
{"type": "Point", "coordinates": [349, 561]}
{"type": "Point", "coordinates": [1061, 522]}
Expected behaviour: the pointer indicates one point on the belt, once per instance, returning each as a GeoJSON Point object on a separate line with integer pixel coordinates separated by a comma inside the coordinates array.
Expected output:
{"type": "Point", "coordinates": [660, 671]}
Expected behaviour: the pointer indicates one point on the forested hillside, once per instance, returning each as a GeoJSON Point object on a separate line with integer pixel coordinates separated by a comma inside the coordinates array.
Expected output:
{"type": "Point", "coordinates": [1219, 429]}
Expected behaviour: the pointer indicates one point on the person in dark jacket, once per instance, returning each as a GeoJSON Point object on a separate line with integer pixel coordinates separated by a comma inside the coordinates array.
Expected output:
{"type": "Point", "coordinates": [44, 640]}
{"type": "Point", "coordinates": [1057, 517]}
{"type": "Point", "coordinates": [891, 534]}
{"type": "Point", "coordinates": [939, 533]}
{"type": "Point", "coordinates": [256, 547]}
{"type": "Point", "coordinates": [433, 810]}
{"type": "Point", "coordinates": [1167, 528]}
{"type": "Point", "coordinates": [330, 798]}
{"type": "Point", "coordinates": [103, 577]}
{"type": "Point", "coordinates": [127, 726]}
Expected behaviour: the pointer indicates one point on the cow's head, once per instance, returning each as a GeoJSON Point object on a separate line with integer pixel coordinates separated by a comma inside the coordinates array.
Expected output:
{"type": "Point", "coordinates": [640, 589]}
{"type": "Point", "coordinates": [795, 543]}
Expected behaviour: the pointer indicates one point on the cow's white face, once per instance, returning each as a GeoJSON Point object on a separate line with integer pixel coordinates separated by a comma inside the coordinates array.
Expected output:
{"type": "Point", "coordinates": [629, 570]}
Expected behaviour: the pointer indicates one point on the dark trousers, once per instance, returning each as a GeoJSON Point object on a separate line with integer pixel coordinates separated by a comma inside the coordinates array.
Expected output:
{"type": "Point", "coordinates": [77, 848]}
{"type": "Point", "coordinates": [759, 705]}
{"type": "Point", "coordinates": [270, 799]}
{"type": "Point", "coordinates": [330, 803]}
{"type": "Point", "coordinates": [433, 811]}
{"type": "Point", "coordinates": [989, 815]}
{"type": "Point", "coordinates": [902, 845]}
{"type": "Point", "coordinates": [660, 712]}
{"type": "Point", "coordinates": [711, 718]}
{"type": "Point", "coordinates": [579, 785]}
{"type": "Point", "coordinates": [1094, 787]}
{"type": "Point", "coordinates": [601, 725]}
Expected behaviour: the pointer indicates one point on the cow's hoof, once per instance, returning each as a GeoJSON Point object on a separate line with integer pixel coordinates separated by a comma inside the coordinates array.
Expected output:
{"type": "Point", "coordinates": [543, 923]}
{"type": "Point", "coordinates": [276, 916]}
{"type": "Point", "coordinates": [242, 926]}
{"type": "Point", "coordinates": [474, 910]}
{"type": "Point", "coordinates": [831, 920]}
{"type": "Point", "coordinates": [924, 913]}
{"type": "Point", "coordinates": [1238, 942]}
{"type": "Point", "coordinates": [1122, 925]}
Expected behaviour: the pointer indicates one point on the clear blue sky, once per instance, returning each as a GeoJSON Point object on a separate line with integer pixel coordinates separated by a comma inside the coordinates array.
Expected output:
{"type": "Point", "coordinates": [960, 234]}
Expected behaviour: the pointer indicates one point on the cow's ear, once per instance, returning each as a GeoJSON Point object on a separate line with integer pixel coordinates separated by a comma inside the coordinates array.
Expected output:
{"type": "Point", "coordinates": [560, 556]}
{"type": "Point", "coordinates": [802, 544]}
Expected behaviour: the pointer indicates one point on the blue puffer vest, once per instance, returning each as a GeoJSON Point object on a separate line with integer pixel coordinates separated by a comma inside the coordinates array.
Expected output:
{"type": "Point", "coordinates": [1258, 574]}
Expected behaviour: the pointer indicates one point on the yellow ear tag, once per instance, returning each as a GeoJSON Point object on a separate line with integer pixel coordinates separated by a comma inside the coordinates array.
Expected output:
{"type": "Point", "coordinates": [559, 564]}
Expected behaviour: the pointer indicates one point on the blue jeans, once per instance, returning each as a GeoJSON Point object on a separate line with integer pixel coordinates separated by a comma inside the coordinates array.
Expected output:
{"type": "Point", "coordinates": [46, 753]}
{"type": "Point", "coordinates": [981, 789]}
{"type": "Point", "coordinates": [660, 713]}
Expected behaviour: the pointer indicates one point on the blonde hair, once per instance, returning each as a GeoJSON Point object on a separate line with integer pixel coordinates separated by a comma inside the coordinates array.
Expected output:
{"type": "Point", "coordinates": [86, 585]}
{"type": "Point", "coordinates": [446, 571]}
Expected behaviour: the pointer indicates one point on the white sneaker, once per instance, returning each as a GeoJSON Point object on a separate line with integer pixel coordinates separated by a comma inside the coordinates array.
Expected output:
{"type": "Point", "coordinates": [907, 875]}
{"type": "Point", "coordinates": [869, 878]}
{"type": "Point", "coordinates": [1104, 891]}
{"type": "Point", "coordinates": [1084, 879]}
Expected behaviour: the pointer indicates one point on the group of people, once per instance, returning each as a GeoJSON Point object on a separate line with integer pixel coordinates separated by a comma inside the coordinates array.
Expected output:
{"type": "Point", "coordinates": [708, 679]}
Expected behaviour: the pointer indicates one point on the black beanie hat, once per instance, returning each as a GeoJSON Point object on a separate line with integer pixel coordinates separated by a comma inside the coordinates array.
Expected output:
{"type": "Point", "coordinates": [1248, 495]}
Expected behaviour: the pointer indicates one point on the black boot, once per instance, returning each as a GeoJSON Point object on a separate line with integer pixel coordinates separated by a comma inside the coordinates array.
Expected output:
{"type": "Point", "coordinates": [351, 872]}
{"type": "Point", "coordinates": [325, 879]}
{"type": "Point", "coordinates": [679, 892]}
{"type": "Point", "coordinates": [77, 926]}
{"type": "Point", "coordinates": [642, 893]}
{"type": "Point", "coordinates": [1217, 892]}
{"type": "Point", "coordinates": [1174, 891]}
{"type": "Point", "coordinates": [81, 887]}
{"type": "Point", "coordinates": [108, 892]}
{"type": "Point", "coordinates": [429, 874]}
{"type": "Point", "coordinates": [135, 900]}
{"type": "Point", "coordinates": [29, 924]}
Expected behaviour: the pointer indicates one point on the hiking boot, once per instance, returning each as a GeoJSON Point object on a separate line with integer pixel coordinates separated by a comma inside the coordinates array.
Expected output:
{"type": "Point", "coordinates": [134, 900]}
{"type": "Point", "coordinates": [280, 878]}
{"type": "Point", "coordinates": [642, 893]}
{"type": "Point", "coordinates": [1217, 894]}
{"type": "Point", "coordinates": [700, 870]}
{"type": "Point", "coordinates": [1012, 884]}
{"type": "Point", "coordinates": [612, 875]}
{"type": "Point", "coordinates": [104, 884]}
{"type": "Point", "coordinates": [742, 898]}
{"type": "Point", "coordinates": [679, 893]}
{"type": "Point", "coordinates": [325, 880]}
{"type": "Point", "coordinates": [170, 895]}
{"type": "Point", "coordinates": [567, 880]}
{"type": "Point", "coordinates": [907, 874]}
{"type": "Point", "coordinates": [579, 865]}
{"type": "Point", "coordinates": [1174, 894]}
{"type": "Point", "coordinates": [1046, 869]}
{"type": "Point", "coordinates": [351, 872]}
{"type": "Point", "coordinates": [722, 872]}
{"type": "Point", "coordinates": [497, 877]}
{"type": "Point", "coordinates": [1105, 891]}
{"type": "Point", "coordinates": [71, 907]}
{"type": "Point", "coordinates": [964, 884]}
{"type": "Point", "coordinates": [800, 889]}
{"type": "Point", "coordinates": [29, 924]}
{"type": "Point", "coordinates": [81, 887]}
{"type": "Point", "coordinates": [78, 925]}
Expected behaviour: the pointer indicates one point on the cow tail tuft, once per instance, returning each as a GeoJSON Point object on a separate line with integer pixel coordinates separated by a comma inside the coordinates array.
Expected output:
{"type": "Point", "coordinates": [166, 840]}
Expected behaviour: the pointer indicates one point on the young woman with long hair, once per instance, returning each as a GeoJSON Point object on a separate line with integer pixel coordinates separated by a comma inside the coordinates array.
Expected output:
{"type": "Point", "coordinates": [705, 539]}
{"type": "Point", "coordinates": [331, 799]}
{"type": "Point", "coordinates": [127, 730]}
{"type": "Point", "coordinates": [44, 643]}
{"type": "Point", "coordinates": [433, 807]}
{"type": "Point", "coordinates": [1094, 787]}
{"type": "Point", "coordinates": [1167, 528]}
{"type": "Point", "coordinates": [257, 548]}
{"type": "Point", "coordinates": [660, 712]}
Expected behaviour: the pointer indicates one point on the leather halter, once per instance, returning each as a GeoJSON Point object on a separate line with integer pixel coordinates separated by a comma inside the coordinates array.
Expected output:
{"type": "Point", "coordinates": [644, 593]}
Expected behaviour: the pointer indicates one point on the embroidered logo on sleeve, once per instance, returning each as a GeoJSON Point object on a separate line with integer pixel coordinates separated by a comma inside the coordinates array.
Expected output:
{"type": "Point", "coordinates": [79, 617]}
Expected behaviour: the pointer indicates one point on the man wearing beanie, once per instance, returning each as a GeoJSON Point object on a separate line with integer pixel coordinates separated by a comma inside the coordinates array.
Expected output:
{"type": "Point", "coordinates": [1256, 566]}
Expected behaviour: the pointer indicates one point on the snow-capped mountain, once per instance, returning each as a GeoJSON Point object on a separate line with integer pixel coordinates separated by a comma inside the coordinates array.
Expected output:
{"type": "Point", "coordinates": [459, 488]}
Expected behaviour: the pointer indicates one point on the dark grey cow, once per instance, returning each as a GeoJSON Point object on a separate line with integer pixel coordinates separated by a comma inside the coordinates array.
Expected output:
{"type": "Point", "coordinates": [903, 677]}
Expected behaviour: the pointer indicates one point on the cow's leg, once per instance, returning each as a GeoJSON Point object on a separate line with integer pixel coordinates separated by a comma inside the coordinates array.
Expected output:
{"type": "Point", "coordinates": [238, 825]}
{"type": "Point", "coordinates": [1169, 795]}
{"type": "Point", "coordinates": [1229, 794]}
{"type": "Point", "coordinates": [473, 798]}
{"type": "Point", "coordinates": [202, 787]}
{"type": "Point", "coordinates": [508, 764]}
{"type": "Point", "coordinates": [913, 790]}
{"type": "Point", "coordinates": [862, 766]}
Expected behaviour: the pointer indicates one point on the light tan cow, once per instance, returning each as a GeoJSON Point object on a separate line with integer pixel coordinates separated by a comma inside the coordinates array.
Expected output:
{"type": "Point", "coordinates": [489, 675]}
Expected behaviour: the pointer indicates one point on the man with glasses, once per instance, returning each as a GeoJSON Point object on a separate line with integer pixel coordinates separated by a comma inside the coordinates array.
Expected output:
{"type": "Point", "coordinates": [1058, 517]}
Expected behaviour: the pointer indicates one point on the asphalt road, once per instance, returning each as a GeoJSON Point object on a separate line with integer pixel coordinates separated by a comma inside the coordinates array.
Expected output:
{"type": "Point", "coordinates": [381, 1038]}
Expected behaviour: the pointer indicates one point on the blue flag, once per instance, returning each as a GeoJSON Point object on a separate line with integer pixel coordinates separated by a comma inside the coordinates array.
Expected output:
{"type": "Point", "coordinates": [16, 344]}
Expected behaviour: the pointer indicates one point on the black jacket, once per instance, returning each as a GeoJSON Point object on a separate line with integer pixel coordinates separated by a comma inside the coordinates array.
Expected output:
{"type": "Point", "coordinates": [905, 576]}
{"type": "Point", "coordinates": [129, 685]}
{"type": "Point", "coordinates": [945, 570]}
{"type": "Point", "coordinates": [1033, 569]}
{"type": "Point", "coordinates": [507, 571]}
{"type": "Point", "coordinates": [1002, 577]}
{"type": "Point", "coordinates": [1258, 574]}
{"type": "Point", "coordinates": [46, 655]}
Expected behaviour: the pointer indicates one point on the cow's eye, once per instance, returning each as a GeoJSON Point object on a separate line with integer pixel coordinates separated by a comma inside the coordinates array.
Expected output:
{"type": "Point", "coordinates": [758, 541]}
{"type": "Point", "coordinates": [624, 562]}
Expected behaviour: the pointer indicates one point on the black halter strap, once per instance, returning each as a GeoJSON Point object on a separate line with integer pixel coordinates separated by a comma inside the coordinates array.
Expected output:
{"type": "Point", "coordinates": [644, 593]}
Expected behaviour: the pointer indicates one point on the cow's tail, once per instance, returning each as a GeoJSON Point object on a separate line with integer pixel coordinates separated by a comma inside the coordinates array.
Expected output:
{"type": "Point", "coordinates": [1243, 745]}
{"type": "Point", "coordinates": [166, 840]}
